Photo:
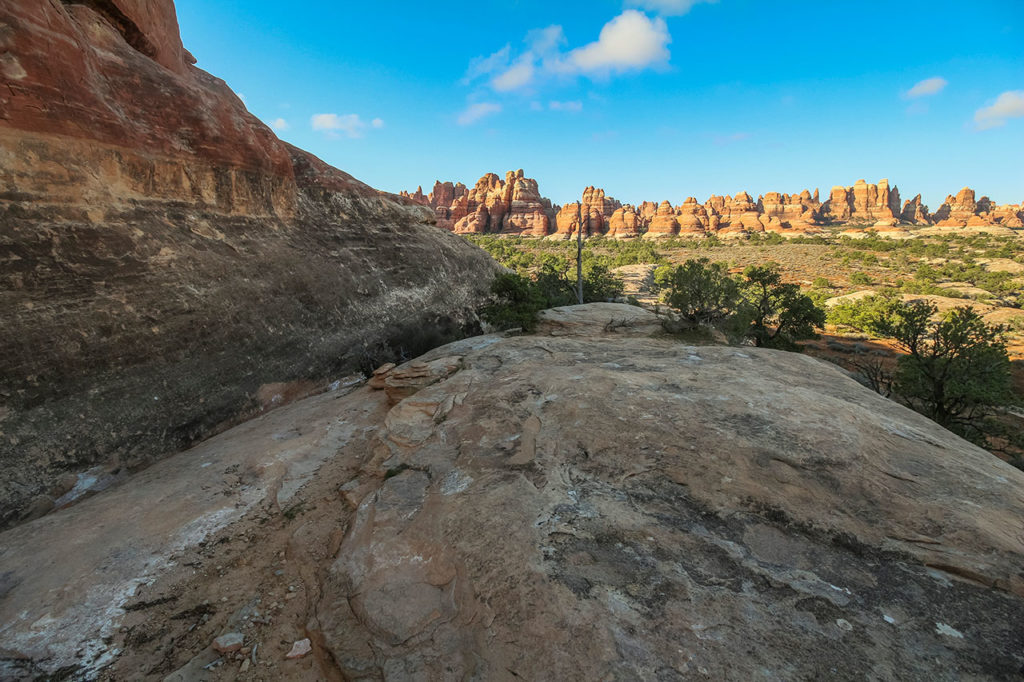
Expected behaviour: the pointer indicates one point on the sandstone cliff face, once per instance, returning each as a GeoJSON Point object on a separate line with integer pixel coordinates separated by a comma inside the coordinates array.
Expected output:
{"type": "Point", "coordinates": [164, 254]}
{"type": "Point", "coordinates": [580, 504]}
{"type": "Point", "coordinates": [863, 203]}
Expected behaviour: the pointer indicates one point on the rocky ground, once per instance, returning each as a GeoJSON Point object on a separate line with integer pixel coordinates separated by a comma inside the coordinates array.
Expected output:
{"type": "Point", "coordinates": [595, 501]}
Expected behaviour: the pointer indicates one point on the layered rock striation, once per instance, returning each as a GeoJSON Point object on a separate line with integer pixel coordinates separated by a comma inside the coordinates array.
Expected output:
{"type": "Point", "coordinates": [163, 255]}
{"type": "Point", "coordinates": [862, 205]}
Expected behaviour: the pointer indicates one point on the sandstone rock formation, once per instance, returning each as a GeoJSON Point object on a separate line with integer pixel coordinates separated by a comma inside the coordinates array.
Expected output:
{"type": "Point", "coordinates": [596, 211]}
{"type": "Point", "coordinates": [598, 208]}
{"type": "Point", "coordinates": [957, 211]}
{"type": "Point", "coordinates": [587, 503]}
{"type": "Point", "coordinates": [963, 211]}
{"type": "Point", "coordinates": [165, 255]}
{"type": "Point", "coordinates": [1007, 215]}
{"type": "Point", "coordinates": [646, 211]}
{"type": "Point", "coordinates": [863, 205]}
{"type": "Point", "coordinates": [915, 212]}
{"type": "Point", "coordinates": [664, 223]}
{"type": "Point", "coordinates": [448, 200]}
{"type": "Point", "coordinates": [692, 217]}
{"type": "Point", "coordinates": [789, 212]}
{"type": "Point", "coordinates": [568, 220]}
{"type": "Point", "coordinates": [624, 223]}
{"type": "Point", "coordinates": [513, 206]}
{"type": "Point", "coordinates": [529, 213]}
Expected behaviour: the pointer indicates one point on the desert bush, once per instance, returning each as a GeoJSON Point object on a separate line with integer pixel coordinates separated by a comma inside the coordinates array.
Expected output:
{"type": "Point", "coordinates": [516, 299]}
{"type": "Point", "coordinates": [703, 292]}
{"type": "Point", "coordinates": [866, 313]}
{"type": "Point", "coordinates": [955, 369]}
{"type": "Point", "coordinates": [775, 314]}
{"type": "Point", "coordinates": [760, 307]}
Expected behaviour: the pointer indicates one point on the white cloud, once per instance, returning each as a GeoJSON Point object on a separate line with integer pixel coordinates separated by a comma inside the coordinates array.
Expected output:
{"type": "Point", "coordinates": [475, 112]}
{"type": "Point", "coordinates": [482, 66]}
{"type": "Point", "coordinates": [279, 124]}
{"type": "Point", "coordinates": [672, 8]}
{"type": "Point", "coordinates": [244, 100]}
{"type": "Point", "coordinates": [927, 87]}
{"type": "Point", "coordinates": [575, 105]}
{"type": "Point", "coordinates": [1008, 105]}
{"type": "Point", "coordinates": [349, 125]}
{"type": "Point", "coordinates": [516, 76]}
{"type": "Point", "coordinates": [629, 41]}
{"type": "Point", "coordinates": [546, 41]}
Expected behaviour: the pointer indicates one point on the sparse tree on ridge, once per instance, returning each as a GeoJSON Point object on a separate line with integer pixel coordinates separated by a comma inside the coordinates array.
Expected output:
{"type": "Point", "coordinates": [779, 315]}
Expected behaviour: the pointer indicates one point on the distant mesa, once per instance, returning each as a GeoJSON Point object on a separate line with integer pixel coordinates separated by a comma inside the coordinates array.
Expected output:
{"type": "Point", "coordinates": [515, 207]}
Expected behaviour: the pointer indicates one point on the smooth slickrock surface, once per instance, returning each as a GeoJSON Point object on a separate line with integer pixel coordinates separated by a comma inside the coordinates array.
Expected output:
{"type": "Point", "coordinates": [163, 255]}
{"type": "Point", "coordinates": [595, 501]}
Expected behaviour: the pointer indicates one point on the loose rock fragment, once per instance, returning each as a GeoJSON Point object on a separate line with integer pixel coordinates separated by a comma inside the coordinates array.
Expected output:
{"type": "Point", "coordinates": [300, 649]}
{"type": "Point", "coordinates": [229, 643]}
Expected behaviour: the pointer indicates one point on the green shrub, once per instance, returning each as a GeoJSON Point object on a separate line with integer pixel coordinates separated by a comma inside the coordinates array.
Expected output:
{"type": "Point", "coordinates": [956, 370]}
{"type": "Point", "coordinates": [860, 278]}
{"type": "Point", "coordinates": [702, 291]}
{"type": "Point", "coordinates": [516, 302]}
{"type": "Point", "coordinates": [867, 312]}
{"type": "Point", "coordinates": [516, 299]}
{"type": "Point", "coordinates": [775, 314]}
{"type": "Point", "coordinates": [760, 307]}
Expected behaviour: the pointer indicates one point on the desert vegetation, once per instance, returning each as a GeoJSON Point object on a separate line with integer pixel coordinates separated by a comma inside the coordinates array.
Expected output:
{"type": "Point", "coordinates": [953, 368]}
{"type": "Point", "coordinates": [758, 306]}
{"type": "Point", "coordinates": [934, 322]}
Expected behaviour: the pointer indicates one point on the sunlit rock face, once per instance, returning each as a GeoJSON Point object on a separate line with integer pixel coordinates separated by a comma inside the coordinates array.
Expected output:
{"type": "Point", "coordinates": [165, 254]}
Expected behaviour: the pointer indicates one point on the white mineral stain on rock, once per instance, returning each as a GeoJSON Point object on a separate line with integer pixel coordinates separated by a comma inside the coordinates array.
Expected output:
{"type": "Point", "coordinates": [455, 482]}
{"type": "Point", "coordinates": [11, 67]}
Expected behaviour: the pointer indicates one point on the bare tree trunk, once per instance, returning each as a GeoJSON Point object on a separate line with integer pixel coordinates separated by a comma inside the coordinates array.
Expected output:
{"type": "Point", "coordinates": [579, 252]}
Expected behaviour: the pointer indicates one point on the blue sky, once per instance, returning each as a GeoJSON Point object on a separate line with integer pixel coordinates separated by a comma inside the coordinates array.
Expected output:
{"type": "Point", "coordinates": [649, 99]}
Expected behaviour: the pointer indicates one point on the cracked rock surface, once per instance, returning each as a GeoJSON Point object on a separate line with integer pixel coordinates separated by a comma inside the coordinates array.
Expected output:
{"type": "Point", "coordinates": [594, 503]}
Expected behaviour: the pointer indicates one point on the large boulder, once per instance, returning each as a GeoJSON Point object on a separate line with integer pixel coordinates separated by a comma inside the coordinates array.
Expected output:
{"type": "Point", "coordinates": [596, 501]}
{"type": "Point", "coordinates": [163, 255]}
